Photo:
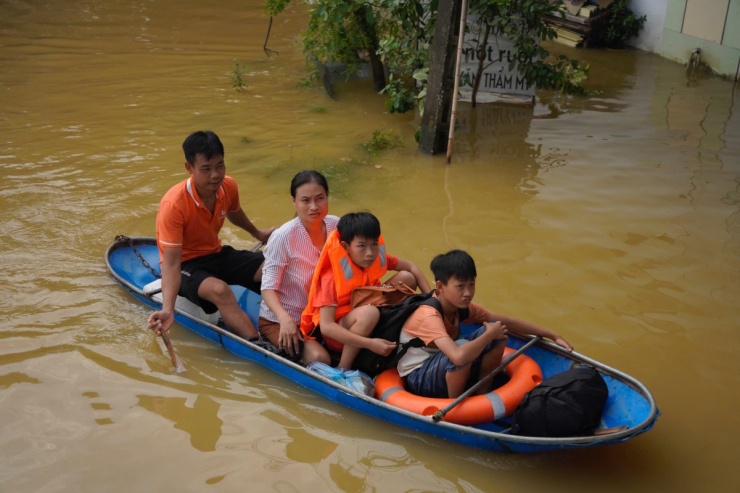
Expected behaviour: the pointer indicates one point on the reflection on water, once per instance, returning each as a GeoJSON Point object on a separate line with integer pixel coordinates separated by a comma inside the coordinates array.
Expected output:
{"type": "Point", "coordinates": [200, 420]}
{"type": "Point", "coordinates": [14, 378]}
{"type": "Point", "coordinates": [300, 445]}
{"type": "Point", "coordinates": [613, 218]}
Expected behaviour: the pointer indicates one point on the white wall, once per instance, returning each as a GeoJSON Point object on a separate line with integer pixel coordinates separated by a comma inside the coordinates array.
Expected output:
{"type": "Point", "coordinates": [674, 29]}
{"type": "Point", "coordinates": [651, 35]}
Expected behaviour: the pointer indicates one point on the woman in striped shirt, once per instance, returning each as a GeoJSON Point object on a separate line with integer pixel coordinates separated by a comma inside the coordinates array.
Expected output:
{"type": "Point", "coordinates": [290, 259]}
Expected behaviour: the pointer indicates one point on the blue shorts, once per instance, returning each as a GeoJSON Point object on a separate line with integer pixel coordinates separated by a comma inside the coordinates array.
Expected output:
{"type": "Point", "coordinates": [429, 380]}
{"type": "Point", "coordinates": [232, 266]}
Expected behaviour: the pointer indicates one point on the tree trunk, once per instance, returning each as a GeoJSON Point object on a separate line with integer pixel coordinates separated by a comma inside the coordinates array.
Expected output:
{"type": "Point", "coordinates": [481, 65]}
{"type": "Point", "coordinates": [372, 49]}
{"type": "Point", "coordinates": [435, 124]}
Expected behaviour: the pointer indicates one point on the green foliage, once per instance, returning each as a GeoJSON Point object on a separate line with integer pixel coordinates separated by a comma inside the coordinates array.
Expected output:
{"type": "Point", "coordinates": [312, 75]}
{"type": "Point", "coordinates": [400, 95]}
{"type": "Point", "coordinates": [405, 31]}
{"type": "Point", "coordinates": [563, 74]}
{"type": "Point", "coordinates": [381, 141]}
{"type": "Point", "coordinates": [400, 33]}
{"type": "Point", "coordinates": [622, 24]}
{"type": "Point", "coordinates": [237, 76]}
{"type": "Point", "coordinates": [522, 22]}
{"type": "Point", "coordinates": [274, 7]}
{"type": "Point", "coordinates": [333, 33]}
{"type": "Point", "coordinates": [421, 77]}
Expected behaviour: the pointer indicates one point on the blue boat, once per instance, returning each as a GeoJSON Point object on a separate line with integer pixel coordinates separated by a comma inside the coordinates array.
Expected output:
{"type": "Point", "coordinates": [629, 410]}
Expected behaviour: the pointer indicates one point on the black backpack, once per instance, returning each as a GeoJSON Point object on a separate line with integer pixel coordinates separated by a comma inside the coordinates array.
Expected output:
{"type": "Point", "coordinates": [389, 328]}
{"type": "Point", "coordinates": [566, 404]}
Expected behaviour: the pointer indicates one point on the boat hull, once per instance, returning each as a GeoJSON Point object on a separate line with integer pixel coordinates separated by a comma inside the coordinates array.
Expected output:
{"type": "Point", "coordinates": [134, 264]}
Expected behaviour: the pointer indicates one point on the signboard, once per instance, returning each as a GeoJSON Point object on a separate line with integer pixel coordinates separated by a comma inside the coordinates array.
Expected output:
{"type": "Point", "coordinates": [497, 54]}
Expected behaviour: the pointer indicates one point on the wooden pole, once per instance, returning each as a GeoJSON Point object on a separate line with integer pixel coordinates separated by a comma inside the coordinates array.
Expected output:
{"type": "Point", "coordinates": [179, 367]}
{"type": "Point", "coordinates": [458, 63]}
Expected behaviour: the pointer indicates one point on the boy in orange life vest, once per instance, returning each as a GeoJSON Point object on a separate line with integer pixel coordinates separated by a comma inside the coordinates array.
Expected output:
{"type": "Point", "coordinates": [353, 256]}
{"type": "Point", "coordinates": [446, 366]}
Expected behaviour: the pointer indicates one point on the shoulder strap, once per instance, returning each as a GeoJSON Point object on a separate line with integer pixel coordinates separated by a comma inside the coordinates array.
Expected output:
{"type": "Point", "coordinates": [427, 299]}
{"type": "Point", "coordinates": [432, 301]}
{"type": "Point", "coordinates": [462, 313]}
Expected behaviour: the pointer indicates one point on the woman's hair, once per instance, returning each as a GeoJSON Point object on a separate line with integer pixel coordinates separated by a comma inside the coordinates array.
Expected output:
{"type": "Point", "coordinates": [308, 176]}
{"type": "Point", "coordinates": [455, 263]}
{"type": "Point", "coordinates": [202, 142]}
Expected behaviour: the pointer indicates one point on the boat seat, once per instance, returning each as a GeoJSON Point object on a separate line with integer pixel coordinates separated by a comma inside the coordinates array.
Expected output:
{"type": "Point", "coordinates": [182, 303]}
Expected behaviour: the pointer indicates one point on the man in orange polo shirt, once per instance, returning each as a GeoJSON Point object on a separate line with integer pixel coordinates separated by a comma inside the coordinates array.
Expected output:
{"type": "Point", "coordinates": [193, 262]}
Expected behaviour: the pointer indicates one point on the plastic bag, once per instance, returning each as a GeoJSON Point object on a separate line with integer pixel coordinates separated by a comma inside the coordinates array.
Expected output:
{"type": "Point", "coordinates": [352, 379]}
{"type": "Point", "coordinates": [360, 382]}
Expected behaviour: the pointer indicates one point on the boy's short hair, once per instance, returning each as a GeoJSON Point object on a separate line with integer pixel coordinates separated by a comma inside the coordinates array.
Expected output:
{"type": "Point", "coordinates": [202, 142]}
{"type": "Point", "coordinates": [361, 224]}
{"type": "Point", "coordinates": [455, 263]}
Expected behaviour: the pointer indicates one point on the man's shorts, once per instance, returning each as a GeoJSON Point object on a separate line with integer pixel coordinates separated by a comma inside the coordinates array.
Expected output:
{"type": "Point", "coordinates": [230, 265]}
{"type": "Point", "coordinates": [429, 380]}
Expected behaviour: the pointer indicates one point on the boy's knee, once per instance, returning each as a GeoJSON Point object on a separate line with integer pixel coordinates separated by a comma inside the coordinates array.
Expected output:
{"type": "Point", "coordinates": [362, 319]}
{"type": "Point", "coordinates": [312, 351]}
{"type": "Point", "coordinates": [367, 312]}
{"type": "Point", "coordinates": [371, 316]}
{"type": "Point", "coordinates": [407, 278]}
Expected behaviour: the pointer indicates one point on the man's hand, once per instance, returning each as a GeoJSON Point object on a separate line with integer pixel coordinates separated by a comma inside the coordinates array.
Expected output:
{"type": "Point", "coordinates": [263, 234]}
{"type": "Point", "coordinates": [161, 321]}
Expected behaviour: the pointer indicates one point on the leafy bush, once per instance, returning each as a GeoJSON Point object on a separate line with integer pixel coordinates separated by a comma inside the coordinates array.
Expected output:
{"type": "Point", "coordinates": [621, 25]}
{"type": "Point", "coordinates": [381, 141]}
{"type": "Point", "coordinates": [398, 33]}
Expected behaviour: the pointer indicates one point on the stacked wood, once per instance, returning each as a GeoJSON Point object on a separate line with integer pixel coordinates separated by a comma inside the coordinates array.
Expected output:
{"type": "Point", "coordinates": [576, 30]}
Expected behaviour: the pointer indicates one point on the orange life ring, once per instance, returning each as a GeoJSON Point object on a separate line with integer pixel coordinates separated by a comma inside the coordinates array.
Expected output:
{"type": "Point", "coordinates": [524, 374]}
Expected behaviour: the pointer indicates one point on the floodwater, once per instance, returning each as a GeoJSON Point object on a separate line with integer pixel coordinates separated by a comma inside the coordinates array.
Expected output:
{"type": "Point", "coordinates": [613, 219]}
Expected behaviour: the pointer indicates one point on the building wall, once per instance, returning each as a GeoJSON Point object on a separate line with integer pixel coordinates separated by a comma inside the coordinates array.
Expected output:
{"type": "Point", "coordinates": [675, 28]}
{"type": "Point", "coordinates": [652, 34]}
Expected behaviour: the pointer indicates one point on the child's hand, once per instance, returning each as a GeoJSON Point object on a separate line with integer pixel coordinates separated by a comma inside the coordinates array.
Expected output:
{"type": "Point", "coordinates": [499, 330]}
{"type": "Point", "coordinates": [560, 341]}
{"type": "Point", "coordinates": [381, 346]}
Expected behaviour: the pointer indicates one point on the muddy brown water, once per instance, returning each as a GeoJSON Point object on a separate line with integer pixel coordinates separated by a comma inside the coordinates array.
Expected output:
{"type": "Point", "coordinates": [612, 219]}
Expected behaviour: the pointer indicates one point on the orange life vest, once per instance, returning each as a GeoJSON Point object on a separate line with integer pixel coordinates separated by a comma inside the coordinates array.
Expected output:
{"type": "Point", "coordinates": [347, 276]}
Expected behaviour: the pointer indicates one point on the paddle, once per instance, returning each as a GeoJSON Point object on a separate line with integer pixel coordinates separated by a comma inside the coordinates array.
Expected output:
{"type": "Point", "coordinates": [179, 367]}
{"type": "Point", "coordinates": [609, 431]}
{"type": "Point", "coordinates": [440, 414]}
